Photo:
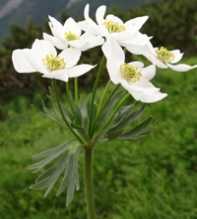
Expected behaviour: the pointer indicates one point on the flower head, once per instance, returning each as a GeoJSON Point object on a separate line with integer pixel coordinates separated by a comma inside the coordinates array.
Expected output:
{"type": "Point", "coordinates": [165, 55]}
{"type": "Point", "coordinates": [164, 58]}
{"type": "Point", "coordinates": [70, 35]}
{"type": "Point", "coordinates": [114, 27]}
{"type": "Point", "coordinates": [43, 58]}
{"type": "Point", "coordinates": [54, 63]}
{"type": "Point", "coordinates": [130, 73]}
{"type": "Point", "coordinates": [111, 26]}
{"type": "Point", "coordinates": [133, 76]}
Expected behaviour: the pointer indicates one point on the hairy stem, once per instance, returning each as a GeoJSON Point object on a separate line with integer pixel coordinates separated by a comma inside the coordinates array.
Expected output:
{"type": "Point", "coordinates": [89, 184]}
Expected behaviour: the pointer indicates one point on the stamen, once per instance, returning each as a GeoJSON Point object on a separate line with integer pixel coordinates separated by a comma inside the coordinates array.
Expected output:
{"type": "Point", "coordinates": [114, 27]}
{"type": "Point", "coordinates": [165, 55]}
{"type": "Point", "coordinates": [130, 73]}
{"type": "Point", "coordinates": [54, 63]}
{"type": "Point", "coordinates": [70, 36]}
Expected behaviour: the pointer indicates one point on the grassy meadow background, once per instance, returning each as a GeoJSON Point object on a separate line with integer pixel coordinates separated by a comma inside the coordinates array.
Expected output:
{"type": "Point", "coordinates": [152, 178]}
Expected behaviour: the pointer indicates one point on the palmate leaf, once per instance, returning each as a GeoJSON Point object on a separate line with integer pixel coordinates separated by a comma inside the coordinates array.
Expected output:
{"type": "Point", "coordinates": [59, 164]}
{"type": "Point", "coordinates": [46, 157]}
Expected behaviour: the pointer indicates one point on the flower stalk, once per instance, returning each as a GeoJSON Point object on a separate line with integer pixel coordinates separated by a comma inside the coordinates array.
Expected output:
{"type": "Point", "coordinates": [88, 182]}
{"type": "Point", "coordinates": [76, 89]}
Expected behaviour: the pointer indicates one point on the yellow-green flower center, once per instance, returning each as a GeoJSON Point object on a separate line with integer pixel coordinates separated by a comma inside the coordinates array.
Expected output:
{"type": "Point", "coordinates": [54, 63]}
{"type": "Point", "coordinates": [114, 27]}
{"type": "Point", "coordinates": [130, 73]}
{"type": "Point", "coordinates": [70, 36]}
{"type": "Point", "coordinates": [165, 55]}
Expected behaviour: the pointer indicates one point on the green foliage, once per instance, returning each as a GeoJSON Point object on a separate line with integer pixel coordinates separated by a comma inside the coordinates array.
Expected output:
{"type": "Point", "coordinates": [102, 116]}
{"type": "Point", "coordinates": [151, 178]}
{"type": "Point", "coordinates": [54, 163]}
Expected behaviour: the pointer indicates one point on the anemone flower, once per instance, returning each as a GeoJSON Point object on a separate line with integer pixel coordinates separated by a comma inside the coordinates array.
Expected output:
{"type": "Point", "coordinates": [70, 35]}
{"type": "Point", "coordinates": [132, 76]}
{"type": "Point", "coordinates": [111, 26]}
{"type": "Point", "coordinates": [43, 58]}
{"type": "Point", "coordinates": [164, 58]}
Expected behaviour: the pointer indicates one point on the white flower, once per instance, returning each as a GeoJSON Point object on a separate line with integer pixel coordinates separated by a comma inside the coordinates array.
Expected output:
{"type": "Point", "coordinates": [43, 58]}
{"type": "Point", "coordinates": [164, 58]}
{"type": "Point", "coordinates": [132, 76]}
{"type": "Point", "coordinates": [70, 35]}
{"type": "Point", "coordinates": [111, 26]}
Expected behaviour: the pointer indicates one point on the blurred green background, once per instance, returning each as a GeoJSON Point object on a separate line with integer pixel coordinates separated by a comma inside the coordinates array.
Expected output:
{"type": "Point", "coordinates": [153, 178]}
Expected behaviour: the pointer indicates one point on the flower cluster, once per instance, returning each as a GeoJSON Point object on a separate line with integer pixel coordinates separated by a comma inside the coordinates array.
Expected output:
{"type": "Point", "coordinates": [114, 37]}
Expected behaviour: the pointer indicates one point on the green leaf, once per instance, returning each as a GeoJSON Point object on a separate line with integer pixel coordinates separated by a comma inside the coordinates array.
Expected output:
{"type": "Point", "coordinates": [107, 108]}
{"type": "Point", "coordinates": [137, 132]}
{"type": "Point", "coordinates": [46, 157]}
{"type": "Point", "coordinates": [125, 119]}
{"type": "Point", "coordinates": [72, 178]}
{"type": "Point", "coordinates": [59, 163]}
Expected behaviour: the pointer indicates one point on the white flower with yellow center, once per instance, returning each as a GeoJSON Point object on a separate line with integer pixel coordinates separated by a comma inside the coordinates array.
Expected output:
{"type": "Point", "coordinates": [43, 58]}
{"type": "Point", "coordinates": [111, 26]}
{"type": "Point", "coordinates": [132, 76]}
{"type": "Point", "coordinates": [164, 58]}
{"type": "Point", "coordinates": [70, 35]}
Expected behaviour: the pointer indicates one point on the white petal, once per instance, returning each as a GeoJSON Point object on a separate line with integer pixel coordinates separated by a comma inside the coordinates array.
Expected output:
{"type": "Point", "coordinates": [21, 61]}
{"type": "Point", "coordinates": [122, 36]}
{"type": "Point", "coordinates": [178, 55]}
{"type": "Point", "coordinates": [79, 70]}
{"type": "Point", "coordinates": [142, 94]}
{"type": "Point", "coordinates": [88, 24]}
{"type": "Point", "coordinates": [143, 85]}
{"type": "Point", "coordinates": [113, 18]}
{"type": "Point", "coordinates": [78, 44]}
{"type": "Point", "coordinates": [113, 69]}
{"type": "Point", "coordinates": [100, 13]}
{"type": "Point", "coordinates": [72, 26]}
{"type": "Point", "coordinates": [137, 64]}
{"type": "Point", "coordinates": [136, 23]}
{"type": "Point", "coordinates": [142, 39]}
{"type": "Point", "coordinates": [113, 52]}
{"type": "Point", "coordinates": [87, 11]}
{"type": "Point", "coordinates": [92, 41]}
{"type": "Point", "coordinates": [182, 67]}
{"type": "Point", "coordinates": [136, 49]}
{"type": "Point", "coordinates": [61, 75]}
{"type": "Point", "coordinates": [59, 44]}
{"type": "Point", "coordinates": [71, 56]}
{"type": "Point", "coordinates": [149, 72]}
{"type": "Point", "coordinates": [43, 47]}
{"type": "Point", "coordinates": [40, 49]}
{"type": "Point", "coordinates": [139, 44]}
{"type": "Point", "coordinates": [56, 27]}
{"type": "Point", "coordinates": [148, 97]}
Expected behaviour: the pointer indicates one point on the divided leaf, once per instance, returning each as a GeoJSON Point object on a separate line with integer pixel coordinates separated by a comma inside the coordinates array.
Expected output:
{"type": "Point", "coordinates": [58, 164]}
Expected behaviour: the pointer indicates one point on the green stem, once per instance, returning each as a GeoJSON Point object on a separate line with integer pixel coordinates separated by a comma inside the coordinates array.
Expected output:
{"type": "Point", "coordinates": [54, 86]}
{"type": "Point", "coordinates": [76, 91]}
{"type": "Point", "coordinates": [89, 184]}
{"type": "Point", "coordinates": [67, 89]}
{"type": "Point", "coordinates": [98, 74]}
{"type": "Point", "coordinates": [101, 100]}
